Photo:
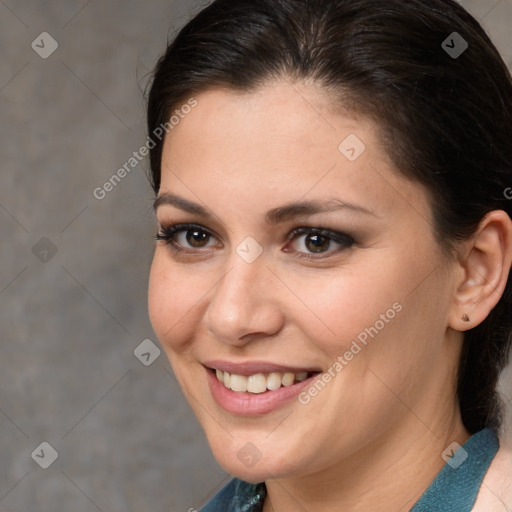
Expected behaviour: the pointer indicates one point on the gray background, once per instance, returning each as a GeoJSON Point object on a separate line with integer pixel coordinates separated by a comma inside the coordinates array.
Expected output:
{"type": "Point", "coordinates": [70, 321]}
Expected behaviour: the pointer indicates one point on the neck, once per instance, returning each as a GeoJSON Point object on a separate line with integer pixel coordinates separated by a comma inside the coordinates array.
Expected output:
{"type": "Point", "coordinates": [389, 474]}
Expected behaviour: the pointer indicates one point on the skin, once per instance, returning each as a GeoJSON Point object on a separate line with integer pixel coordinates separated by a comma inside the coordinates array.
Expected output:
{"type": "Point", "coordinates": [372, 438]}
{"type": "Point", "coordinates": [496, 492]}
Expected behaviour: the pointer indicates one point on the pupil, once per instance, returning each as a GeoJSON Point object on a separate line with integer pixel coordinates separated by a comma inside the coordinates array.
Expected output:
{"type": "Point", "coordinates": [317, 243]}
{"type": "Point", "coordinates": [196, 238]}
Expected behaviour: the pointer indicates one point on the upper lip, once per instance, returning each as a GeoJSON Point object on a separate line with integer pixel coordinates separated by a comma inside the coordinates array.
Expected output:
{"type": "Point", "coordinates": [253, 367]}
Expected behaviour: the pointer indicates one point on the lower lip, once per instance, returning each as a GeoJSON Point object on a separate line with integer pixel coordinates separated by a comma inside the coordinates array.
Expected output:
{"type": "Point", "coordinates": [253, 404]}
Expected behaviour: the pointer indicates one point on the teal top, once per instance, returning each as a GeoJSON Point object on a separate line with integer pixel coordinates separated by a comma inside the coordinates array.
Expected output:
{"type": "Point", "coordinates": [454, 489]}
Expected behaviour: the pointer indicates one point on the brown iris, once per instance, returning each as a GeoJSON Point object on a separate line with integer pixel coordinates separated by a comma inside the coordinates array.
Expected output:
{"type": "Point", "coordinates": [317, 243]}
{"type": "Point", "coordinates": [197, 238]}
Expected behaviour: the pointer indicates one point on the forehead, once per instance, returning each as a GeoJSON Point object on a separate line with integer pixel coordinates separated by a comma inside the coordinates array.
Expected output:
{"type": "Point", "coordinates": [280, 143]}
{"type": "Point", "coordinates": [279, 121]}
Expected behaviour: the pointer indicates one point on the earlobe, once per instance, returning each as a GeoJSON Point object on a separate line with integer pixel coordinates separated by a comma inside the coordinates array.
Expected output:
{"type": "Point", "coordinates": [485, 268]}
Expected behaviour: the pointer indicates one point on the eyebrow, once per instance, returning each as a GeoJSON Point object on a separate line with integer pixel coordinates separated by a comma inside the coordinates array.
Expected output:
{"type": "Point", "coordinates": [273, 216]}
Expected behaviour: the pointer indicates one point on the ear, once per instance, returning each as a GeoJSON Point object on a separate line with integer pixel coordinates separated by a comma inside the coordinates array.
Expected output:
{"type": "Point", "coordinates": [484, 269]}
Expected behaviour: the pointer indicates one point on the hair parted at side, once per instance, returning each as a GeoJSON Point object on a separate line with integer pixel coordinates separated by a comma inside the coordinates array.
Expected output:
{"type": "Point", "coordinates": [446, 122]}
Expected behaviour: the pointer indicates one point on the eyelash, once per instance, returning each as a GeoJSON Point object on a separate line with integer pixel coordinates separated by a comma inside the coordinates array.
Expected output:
{"type": "Point", "coordinates": [168, 232]}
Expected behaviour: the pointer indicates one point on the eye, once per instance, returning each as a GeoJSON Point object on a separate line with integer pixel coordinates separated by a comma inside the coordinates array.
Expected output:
{"type": "Point", "coordinates": [307, 242]}
{"type": "Point", "coordinates": [185, 236]}
{"type": "Point", "coordinates": [310, 241]}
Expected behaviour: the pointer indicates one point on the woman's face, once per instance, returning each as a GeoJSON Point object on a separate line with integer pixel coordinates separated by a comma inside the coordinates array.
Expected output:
{"type": "Point", "coordinates": [309, 276]}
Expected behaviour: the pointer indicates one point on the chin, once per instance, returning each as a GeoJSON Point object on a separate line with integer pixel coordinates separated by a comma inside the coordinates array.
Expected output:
{"type": "Point", "coordinates": [250, 464]}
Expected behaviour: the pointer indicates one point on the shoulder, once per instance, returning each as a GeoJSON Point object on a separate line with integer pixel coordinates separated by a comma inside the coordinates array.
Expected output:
{"type": "Point", "coordinates": [495, 493]}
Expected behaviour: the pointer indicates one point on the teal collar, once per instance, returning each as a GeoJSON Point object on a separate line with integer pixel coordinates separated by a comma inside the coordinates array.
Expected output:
{"type": "Point", "coordinates": [456, 486]}
{"type": "Point", "coordinates": [454, 489]}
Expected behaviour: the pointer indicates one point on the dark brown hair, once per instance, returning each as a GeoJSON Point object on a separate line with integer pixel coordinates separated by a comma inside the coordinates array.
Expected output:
{"type": "Point", "coordinates": [446, 119]}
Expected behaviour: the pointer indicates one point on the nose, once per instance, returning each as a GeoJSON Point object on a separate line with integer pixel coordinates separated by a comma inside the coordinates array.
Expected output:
{"type": "Point", "coordinates": [244, 306]}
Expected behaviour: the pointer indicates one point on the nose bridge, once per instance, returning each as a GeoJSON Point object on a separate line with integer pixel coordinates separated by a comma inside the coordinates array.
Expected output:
{"type": "Point", "coordinates": [239, 283]}
{"type": "Point", "coordinates": [241, 302]}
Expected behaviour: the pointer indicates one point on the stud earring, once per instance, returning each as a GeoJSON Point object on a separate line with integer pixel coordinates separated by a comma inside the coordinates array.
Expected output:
{"type": "Point", "coordinates": [465, 317]}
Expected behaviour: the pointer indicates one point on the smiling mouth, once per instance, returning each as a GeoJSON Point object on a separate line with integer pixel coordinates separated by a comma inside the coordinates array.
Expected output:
{"type": "Point", "coordinates": [260, 382]}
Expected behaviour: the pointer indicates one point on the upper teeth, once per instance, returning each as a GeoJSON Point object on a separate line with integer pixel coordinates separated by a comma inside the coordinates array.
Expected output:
{"type": "Point", "coordinates": [259, 382]}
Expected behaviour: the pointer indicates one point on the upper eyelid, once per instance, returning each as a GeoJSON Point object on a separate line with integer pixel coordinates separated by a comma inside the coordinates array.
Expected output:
{"type": "Point", "coordinates": [185, 226]}
{"type": "Point", "coordinates": [315, 229]}
{"type": "Point", "coordinates": [180, 227]}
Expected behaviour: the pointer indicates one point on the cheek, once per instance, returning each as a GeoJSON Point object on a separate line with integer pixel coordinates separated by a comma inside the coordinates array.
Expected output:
{"type": "Point", "coordinates": [348, 305]}
{"type": "Point", "coordinates": [173, 302]}
{"type": "Point", "coordinates": [385, 316]}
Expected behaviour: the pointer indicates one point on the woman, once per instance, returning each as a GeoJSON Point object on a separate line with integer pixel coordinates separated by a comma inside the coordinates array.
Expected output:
{"type": "Point", "coordinates": [330, 281]}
